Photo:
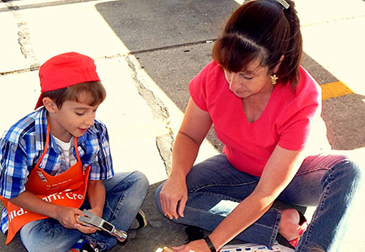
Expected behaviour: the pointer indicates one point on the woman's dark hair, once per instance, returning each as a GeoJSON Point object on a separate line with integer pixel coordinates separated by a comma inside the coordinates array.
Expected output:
{"type": "Point", "coordinates": [265, 30]}
{"type": "Point", "coordinates": [94, 88]}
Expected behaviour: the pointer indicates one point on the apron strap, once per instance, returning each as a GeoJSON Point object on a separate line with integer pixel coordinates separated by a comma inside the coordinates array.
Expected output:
{"type": "Point", "coordinates": [47, 143]}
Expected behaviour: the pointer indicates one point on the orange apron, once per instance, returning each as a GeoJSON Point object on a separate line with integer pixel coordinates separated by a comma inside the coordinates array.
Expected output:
{"type": "Point", "coordinates": [66, 189]}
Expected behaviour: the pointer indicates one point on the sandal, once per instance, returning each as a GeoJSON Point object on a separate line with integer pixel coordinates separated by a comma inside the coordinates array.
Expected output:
{"type": "Point", "coordinates": [140, 221]}
{"type": "Point", "coordinates": [302, 229]}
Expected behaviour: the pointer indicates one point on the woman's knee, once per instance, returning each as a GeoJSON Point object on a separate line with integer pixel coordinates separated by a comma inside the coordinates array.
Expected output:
{"type": "Point", "coordinates": [351, 172]}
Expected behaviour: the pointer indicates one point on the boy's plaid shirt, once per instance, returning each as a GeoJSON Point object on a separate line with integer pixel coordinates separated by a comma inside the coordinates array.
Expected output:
{"type": "Point", "coordinates": [23, 144]}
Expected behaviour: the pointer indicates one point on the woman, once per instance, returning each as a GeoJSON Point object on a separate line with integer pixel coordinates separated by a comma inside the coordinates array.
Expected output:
{"type": "Point", "coordinates": [266, 110]}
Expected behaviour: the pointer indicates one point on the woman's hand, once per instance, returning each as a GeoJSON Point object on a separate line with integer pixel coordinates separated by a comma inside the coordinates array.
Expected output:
{"type": "Point", "coordinates": [194, 246]}
{"type": "Point", "coordinates": [173, 197]}
{"type": "Point", "coordinates": [193, 130]}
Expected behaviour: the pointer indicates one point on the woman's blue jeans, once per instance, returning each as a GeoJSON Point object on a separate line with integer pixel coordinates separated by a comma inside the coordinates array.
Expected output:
{"type": "Point", "coordinates": [328, 181]}
{"type": "Point", "coordinates": [125, 193]}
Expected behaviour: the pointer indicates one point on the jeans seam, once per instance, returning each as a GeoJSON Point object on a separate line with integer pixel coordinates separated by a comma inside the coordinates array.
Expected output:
{"type": "Point", "coordinates": [275, 228]}
{"type": "Point", "coordinates": [319, 209]}
{"type": "Point", "coordinates": [326, 167]}
{"type": "Point", "coordinates": [114, 212]}
{"type": "Point", "coordinates": [219, 185]}
{"type": "Point", "coordinates": [307, 172]}
{"type": "Point", "coordinates": [222, 196]}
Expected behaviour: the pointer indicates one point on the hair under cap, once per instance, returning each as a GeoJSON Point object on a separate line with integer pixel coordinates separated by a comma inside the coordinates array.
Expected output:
{"type": "Point", "coordinates": [66, 70]}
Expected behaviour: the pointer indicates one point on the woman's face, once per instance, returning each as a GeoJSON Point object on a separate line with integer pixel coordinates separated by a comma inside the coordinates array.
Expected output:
{"type": "Point", "coordinates": [254, 80]}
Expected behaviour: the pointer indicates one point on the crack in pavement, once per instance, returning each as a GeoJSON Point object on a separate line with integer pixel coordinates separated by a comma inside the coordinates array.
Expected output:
{"type": "Point", "coordinates": [24, 39]}
{"type": "Point", "coordinates": [159, 111]}
{"type": "Point", "coordinates": [164, 142]}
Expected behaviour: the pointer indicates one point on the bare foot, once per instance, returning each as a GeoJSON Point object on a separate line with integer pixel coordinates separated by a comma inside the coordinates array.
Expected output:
{"type": "Point", "coordinates": [289, 224]}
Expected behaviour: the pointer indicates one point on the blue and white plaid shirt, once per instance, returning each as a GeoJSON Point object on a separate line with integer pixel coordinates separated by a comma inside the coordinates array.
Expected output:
{"type": "Point", "coordinates": [22, 146]}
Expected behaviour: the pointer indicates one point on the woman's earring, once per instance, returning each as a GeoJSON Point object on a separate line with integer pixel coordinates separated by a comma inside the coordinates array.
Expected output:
{"type": "Point", "coordinates": [273, 78]}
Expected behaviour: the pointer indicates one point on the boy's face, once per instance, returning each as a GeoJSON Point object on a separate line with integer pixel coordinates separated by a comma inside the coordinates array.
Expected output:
{"type": "Point", "coordinates": [73, 118]}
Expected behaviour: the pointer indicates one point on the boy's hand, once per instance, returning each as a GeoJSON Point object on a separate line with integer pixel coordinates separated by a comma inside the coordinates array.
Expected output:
{"type": "Point", "coordinates": [67, 216]}
{"type": "Point", "coordinates": [86, 229]}
{"type": "Point", "coordinates": [89, 229]}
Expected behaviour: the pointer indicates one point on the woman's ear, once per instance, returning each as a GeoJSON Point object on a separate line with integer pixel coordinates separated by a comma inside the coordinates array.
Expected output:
{"type": "Point", "coordinates": [276, 68]}
{"type": "Point", "coordinates": [50, 105]}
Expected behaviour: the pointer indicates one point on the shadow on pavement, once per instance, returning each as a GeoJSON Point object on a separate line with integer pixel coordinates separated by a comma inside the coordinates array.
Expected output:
{"type": "Point", "coordinates": [172, 41]}
{"type": "Point", "coordinates": [147, 25]}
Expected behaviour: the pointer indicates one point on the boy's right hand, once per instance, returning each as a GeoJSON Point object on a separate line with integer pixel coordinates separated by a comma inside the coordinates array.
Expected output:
{"type": "Point", "coordinates": [86, 229]}
{"type": "Point", "coordinates": [67, 216]}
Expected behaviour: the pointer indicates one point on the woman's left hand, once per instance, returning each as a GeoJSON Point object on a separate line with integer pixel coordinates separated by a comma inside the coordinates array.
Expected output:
{"type": "Point", "coordinates": [194, 246]}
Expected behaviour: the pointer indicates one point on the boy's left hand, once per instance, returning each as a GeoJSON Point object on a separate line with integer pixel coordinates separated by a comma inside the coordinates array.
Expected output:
{"type": "Point", "coordinates": [85, 229]}
{"type": "Point", "coordinates": [89, 229]}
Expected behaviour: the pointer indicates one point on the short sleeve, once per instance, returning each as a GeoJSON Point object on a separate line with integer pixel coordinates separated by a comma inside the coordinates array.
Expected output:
{"type": "Point", "coordinates": [294, 132]}
{"type": "Point", "coordinates": [198, 86]}
{"type": "Point", "coordinates": [301, 115]}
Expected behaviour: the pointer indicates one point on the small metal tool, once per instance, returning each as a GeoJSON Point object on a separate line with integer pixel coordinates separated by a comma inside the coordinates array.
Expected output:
{"type": "Point", "coordinates": [100, 223]}
{"type": "Point", "coordinates": [250, 247]}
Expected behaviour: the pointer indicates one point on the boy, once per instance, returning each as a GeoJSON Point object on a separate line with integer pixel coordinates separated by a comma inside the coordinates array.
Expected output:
{"type": "Point", "coordinates": [56, 161]}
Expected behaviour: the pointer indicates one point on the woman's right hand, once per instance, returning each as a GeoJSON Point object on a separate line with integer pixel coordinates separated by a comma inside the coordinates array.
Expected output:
{"type": "Point", "coordinates": [173, 197]}
{"type": "Point", "coordinates": [194, 128]}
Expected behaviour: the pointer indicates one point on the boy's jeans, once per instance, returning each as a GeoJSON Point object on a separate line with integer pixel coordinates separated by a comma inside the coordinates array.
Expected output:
{"type": "Point", "coordinates": [125, 193]}
{"type": "Point", "coordinates": [329, 181]}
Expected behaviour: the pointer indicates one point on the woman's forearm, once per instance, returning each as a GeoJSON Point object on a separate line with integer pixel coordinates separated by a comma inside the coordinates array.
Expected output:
{"type": "Point", "coordinates": [245, 214]}
{"type": "Point", "coordinates": [185, 151]}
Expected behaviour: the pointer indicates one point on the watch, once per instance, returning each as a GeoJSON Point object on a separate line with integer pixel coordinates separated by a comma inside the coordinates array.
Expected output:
{"type": "Point", "coordinates": [210, 244]}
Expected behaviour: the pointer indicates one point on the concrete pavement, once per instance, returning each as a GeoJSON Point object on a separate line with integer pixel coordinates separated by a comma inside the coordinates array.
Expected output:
{"type": "Point", "coordinates": [146, 53]}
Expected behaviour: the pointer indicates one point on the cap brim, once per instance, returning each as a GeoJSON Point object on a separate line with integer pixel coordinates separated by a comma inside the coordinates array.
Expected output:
{"type": "Point", "coordinates": [39, 102]}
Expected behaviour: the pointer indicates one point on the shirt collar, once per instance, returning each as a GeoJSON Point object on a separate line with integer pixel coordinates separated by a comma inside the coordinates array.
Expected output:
{"type": "Point", "coordinates": [41, 132]}
{"type": "Point", "coordinates": [90, 131]}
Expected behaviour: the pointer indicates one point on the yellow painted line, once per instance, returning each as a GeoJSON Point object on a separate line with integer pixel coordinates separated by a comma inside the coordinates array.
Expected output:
{"type": "Point", "coordinates": [335, 89]}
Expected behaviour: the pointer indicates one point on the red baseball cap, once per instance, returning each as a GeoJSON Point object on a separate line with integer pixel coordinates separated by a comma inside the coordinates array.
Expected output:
{"type": "Point", "coordinates": [66, 70]}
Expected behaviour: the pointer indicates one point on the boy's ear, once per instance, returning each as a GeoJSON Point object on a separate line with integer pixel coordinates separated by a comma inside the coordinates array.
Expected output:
{"type": "Point", "coordinates": [49, 104]}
